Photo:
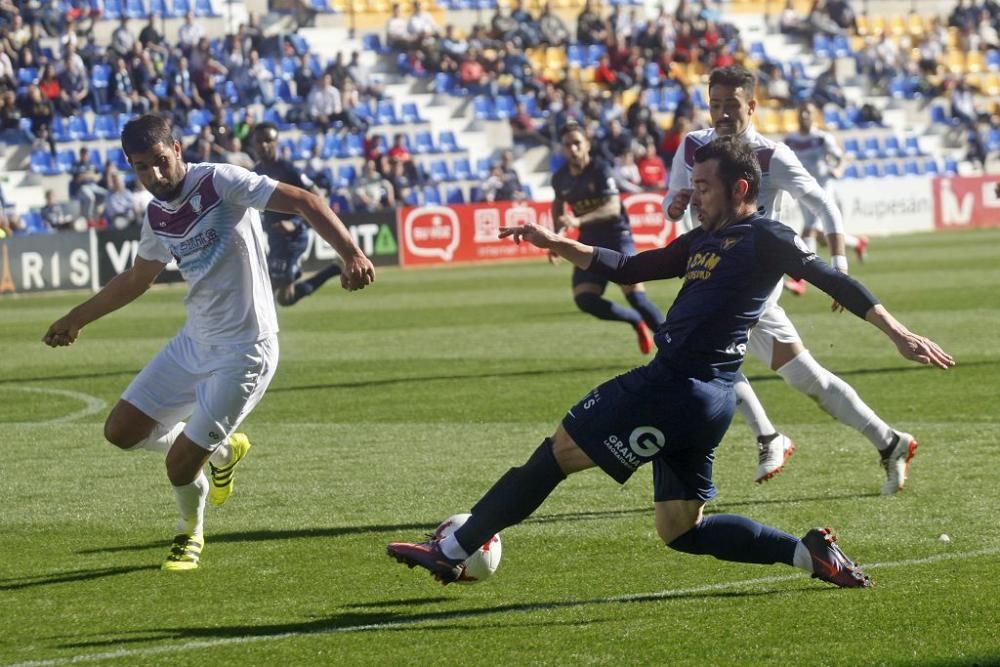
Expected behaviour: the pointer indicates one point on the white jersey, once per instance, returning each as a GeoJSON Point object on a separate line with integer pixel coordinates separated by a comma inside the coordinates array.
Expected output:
{"type": "Point", "coordinates": [780, 170]}
{"type": "Point", "coordinates": [213, 231]}
{"type": "Point", "coordinates": [817, 150]}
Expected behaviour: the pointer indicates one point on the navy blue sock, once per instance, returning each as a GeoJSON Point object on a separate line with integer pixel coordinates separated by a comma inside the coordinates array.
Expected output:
{"type": "Point", "coordinates": [513, 498]}
{"type": "Point", "coordinates": [602, 309]}
{"type": "Point", "coordinates": [306, 287]}
{"type": "Point", "coordinates": [737, 538]}
{"type": "Point", "coordinates": [651, 315]}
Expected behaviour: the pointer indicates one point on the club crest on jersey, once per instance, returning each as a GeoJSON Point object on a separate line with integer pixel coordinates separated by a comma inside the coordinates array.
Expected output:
{"type": "Point", "coordinates": [728, 243]}
{"type": "Point", "coordinates": [196, 203]}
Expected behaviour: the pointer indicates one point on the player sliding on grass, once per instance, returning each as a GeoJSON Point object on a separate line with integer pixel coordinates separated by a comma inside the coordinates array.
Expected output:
{"type": "Point", "coordinates": [674, 411]}
{"type": "Point", "coordinates": [774, 340]}
{"type": "Point", "coordinates": [587, 199]}
{"type": "Point", "coordinates": [216, 369]}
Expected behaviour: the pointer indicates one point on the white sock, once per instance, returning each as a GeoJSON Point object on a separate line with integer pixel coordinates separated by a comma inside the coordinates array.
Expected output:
{"type": "Point", "coordinates": [802, 558]}
{"type": "Point", "coordinates": [751, 409]}
{"type": "Point", "coordinates": [191, 505]}
{"type": "Point", "coordinates": [160, 439]}
{"type": "Point", "coordinates": [810, 242]}
{"type": "Point", "coordinates": [851, 241]}
{"type": "Point", "coordinates": [836, 397]}
{"type": "Point", "coordinates": [222, 456]}
{"type": "Point", "coordinates": [452, 549]}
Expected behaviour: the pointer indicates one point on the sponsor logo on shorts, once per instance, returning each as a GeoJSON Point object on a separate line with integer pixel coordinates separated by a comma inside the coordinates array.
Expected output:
{"type": "Point", "coordinates": [646, 441]}
{"type": "Point", "coordinates": [214, 436]}
{"type": "Point", "coordinates": [591, 399]}
{"type": "Point", "coordinates": [625, 455]}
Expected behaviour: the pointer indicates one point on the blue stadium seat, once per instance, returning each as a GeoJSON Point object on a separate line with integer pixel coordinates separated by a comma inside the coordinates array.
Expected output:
{"type": "Point", "coordinates": [841, 47]}
{"type": "Point", "coordinates": [286, 67]}
{"type": "Point", "coordinates": [757, 51]}
{"type": "Point", "coordinates": [346, 175]}
{"type": "Point", "coordinates": [100, 77]}
{"type": "Point", "coordinates": [423, 142]}
{"type": "Point", "coordinates": [872, 149]}
{"type": "Point", "coordinates": [483, 166]}
{"type": "Point", "coordinates": [385, 113]}
{"type": "Point", "coordinates": [78, 128]}
{"type": "Point", "coordinates": [851, 171]}
{"type": "Point", "coordinates": [136, 9]}
{"type": "Point", "coordinates": [528, 194]}
{"type": "Point", "coordinates": [931, 166]}
{"type": "Point", "coordinates": [409, 113]}
{"type": "Point", "coordinates": [476, 194]}
{"type": "Point", "coordinates": [60, 130]}
{"type": "Point", "coordinates": [911, 146]}
{"type": "Point", "coordinates": [411, 198]}
{"type": "Point", "coordinates": [283, 92]}
{"type": "Point", "coordinates": [852, 148]}
{"type": "Point", "coordinates": [993, 140]}
{"type": "Point", "coordinates": [834, 120]}
{"type": "Point", "coordinates": [332, 147]}
{"type": "Point", "coordinates": [439, 171]}
{"type": "Point", "coordinates": [698, 99]}
{"type": "Point", "coordinates": [113, 10]}
{"type": "Point", "coordinates": [27, 76]}
{"type": "Point", "coordinates": [950, 167]}
{"type": "Point", "coordinates": [482, 108]}
{"type": "Point", "coordinates": [182, 7]}
{"type": "Point", "coordinates": [454, 195]}
{"type": "Point", "coordinates": [306, 147]}
{"type": "Point", "coordinates": [670, 97]}
{"type": "Point", "coordinates": [117, 156]}
{"type": "Point", "coordinates": [891, 147]}
{"type": "Point", "coordinates": [160, 8]}
{"type": "Point", "coordinates": [203, 8]}
{"type": "Point", "coordinates": [339, 203]}
{"type": "Point", "coordinates": [354, 145]}
{"type": "Point", "coordinates": [431, 195]}
{"type": "Point", "coordinates": [66, 160]}
{"type": "Point", "coordinates": [503, 107]}
{"type": "Point", "coordinates": [34, 224]}
{"type": "Point", "coordinates": [891, 169]}
{"type": "Point", "coordinates": [912, 168]}
{"type": "Point", "coordinates": [576, 54]}
{"type": "Point", "coordinates": [197, 119]}
{"type": "Point", "coordinates": [447, 142]}
{"type": "Point", "coordinates": [461, 169]}
{"type": "Point", "coordinates": [274, 116]}
{"type": "Point", "coordinates": [321, 6]}
{"type": "Point", "coordinates": [871, 170]}
{"type": "Point", "coordinates": [371, 42]}
{"type": "Point", "coordinates": [940, 116]}
{"type": "Point", "coordinates": [286, 146]}
{"type": "Point", "coordinates": [556, 161]}
{"type": "Point", "coordinates": [651, 72]}
{"type": "Point", "coordinates": [821, 46]}
{"type": "Point", "coordinates": [993, 60]}
{"type": "Point", "coordinates": [446, 84]}
{"type": "Point", "coordinates": [594, 53]}
{"type": "Point", "coordinates": [96, 159]}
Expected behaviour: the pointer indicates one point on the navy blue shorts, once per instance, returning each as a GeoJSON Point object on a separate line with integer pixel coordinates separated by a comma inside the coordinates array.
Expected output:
{"type": "Point", "coordinates": [284, 254]}
{"type": "Point", "coordinates": [649, 414]}
{"type": "Point", "coordinates": [614, 240]}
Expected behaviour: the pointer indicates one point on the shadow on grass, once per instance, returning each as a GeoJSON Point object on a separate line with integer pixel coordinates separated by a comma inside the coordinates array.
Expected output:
{"type": "Point", "coordinates": [393, 620]}
{"type": "Point", "coordinates": [19, 583]}
{"type": "Point", "coordinates": [423, 528]}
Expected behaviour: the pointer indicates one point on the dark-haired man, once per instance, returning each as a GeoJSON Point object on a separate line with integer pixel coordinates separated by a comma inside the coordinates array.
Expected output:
{"type": "Point", "coordinates": [587, 198]}
{"type": "Point", "coordinates": [216, 369]}
{"type": "Point", "coordinates": [287, 235]}
{"type": "Point", "coordinates": [775, 340]}
{"type": "Point", "coordinates": [674, 411]}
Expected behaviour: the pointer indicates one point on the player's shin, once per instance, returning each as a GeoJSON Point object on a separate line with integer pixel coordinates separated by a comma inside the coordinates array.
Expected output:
{"type": "Point", "coordinates": [651, 315]}
{"type": "Point", "coordinates": [736, 538]}
{"type": "Point", "coordinates": [513, 498]}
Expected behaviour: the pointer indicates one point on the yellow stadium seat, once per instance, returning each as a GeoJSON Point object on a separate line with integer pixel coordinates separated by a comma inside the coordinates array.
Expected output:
{"type": "Point", "coordinates": [915, 25]}
{"type": "Point", "coordinates": [955, 61]}
{"type": "Point", "coordinates": [877, 25]}
{"type": "Point", "coordinates": [862, 24]}
{"type": "Point", "coordinates": [555, 57]}
{"type": "Point", "coordinates": [896, 25]}
{"type": "Point", "coordinates": [991, 85]}
{"type": "Point", "coordinates": [770, 121]}
{"type": "Point", "coordinates": [953, 38]}
{"type": "Point", "coordinates": [789, 120]}
{"type": "Point", "coordinates": [975, 62]}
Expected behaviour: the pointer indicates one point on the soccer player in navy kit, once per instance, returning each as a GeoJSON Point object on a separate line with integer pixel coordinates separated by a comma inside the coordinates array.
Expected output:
{"type": "Point", "coordinates": [674, 411]}
{"type": "Point", "coordinates": [287, 235]}
{"type": "Point", "coordinates": [587, 198]}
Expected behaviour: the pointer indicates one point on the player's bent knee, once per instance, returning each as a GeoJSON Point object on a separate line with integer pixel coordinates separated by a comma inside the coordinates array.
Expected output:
{"type": "Point", "coordinates": [675, 519]}
{"type": "Point", "coordinates": [285, 296]}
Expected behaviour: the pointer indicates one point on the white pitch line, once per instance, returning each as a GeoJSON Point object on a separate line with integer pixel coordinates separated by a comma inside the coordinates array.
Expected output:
{"type": "Point", "coordinates": [92, 404]}
{"type": "Point", "coordinates": [631, 597]}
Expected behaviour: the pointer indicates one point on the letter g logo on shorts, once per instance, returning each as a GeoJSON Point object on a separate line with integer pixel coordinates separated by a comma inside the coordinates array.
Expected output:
{"type": "Point", "coordinates": [646, 441]}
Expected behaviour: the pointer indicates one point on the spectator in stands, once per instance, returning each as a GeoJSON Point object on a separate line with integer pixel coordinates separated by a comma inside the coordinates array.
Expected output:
{"type": "Point", "coordinates": [673, 137]}
{"type": "Point", "coordinates": [122, 91]}
{"type": "Point", "coordinates": [963, 105]}
{"type": "Point", "coordinates": [8, 75]}
{"type": "Point", "coordinates": [35, 107]}
{"type": "Point", "coordinates": [494, 187]}
{"type": "Point", "coordinates": [523, 128]}
{"type": "Point", "coordinates": [608, 76]}
{"type": "Point", "coordinates": [10, 117]}
{"type": "Point", "coordinates": [774, 84]}
{"type": "Point", "coordinates": [397, 33]}
{"type": "Point", "coordinates": [84, 186]}
{"type": "Point", "coordinates": [652, 171]}
{"type": "Point", "coordinates": [503, 26]}
{"type": "Point", "coordinates": [372, 191]}
{"type": "Point", "coordinates": [453, 46]}
{"type": "Point", "coordinates": [827, 89]}
{"type": "Point", "coordinates": [254, 81]}
{"type": "Point", "coordinates": [325, 107]}
{"type": "Point", "coordinates": [185, 93]}
{"type": "Point", "coordinates": [590, 27]}
{"type": "Point", "coordinates": [820, 22]}
{"type": "Point", "coordinates": [616, 143]}
{"type": "Point", "coordinates": [529, 33]}
{"type": "Point", "coordinates": [553, 31]}
{"type": "Point", "coordinates": [150, 38]}
{"type": "Point", "coordinates": [121, 208]}
{"type": "Point", "coordinates": [55, 216]}
{"type": "Point", "coordinates": [841, 13]}
{"type": "Point", "coordinates": [790, 22]}
{"type": "Point", "coordinates": [74, 82]}
{"type": "Point", "coordinates": [511, 179]}
{"type": "Point", "coordinates": [189, 33]}
{"type": "Point", "coordinates": [403, 183]}
{"type": "Point", "coordinates": [421, 24]}
{"type": "Point", "coordinates": [626, 173]}
{"type": "Point", "coordinates": [362, 78]}
{"type": "Point", "coordinates": [48, 83]}
{"type": "Point", "coordinates": [122, 38]}
{"type": "Point", "coordinates": [145, 76]}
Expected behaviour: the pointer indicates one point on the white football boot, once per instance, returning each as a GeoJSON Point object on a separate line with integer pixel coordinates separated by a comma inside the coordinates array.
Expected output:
{"type": "Point", "coordinates": [771, 458]}
{"type": "Point", "coordinates": [897, 463]}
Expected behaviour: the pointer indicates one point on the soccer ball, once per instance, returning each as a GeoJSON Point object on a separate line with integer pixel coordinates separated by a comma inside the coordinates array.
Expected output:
{"type": "Point", "coordinates": [481, 565]}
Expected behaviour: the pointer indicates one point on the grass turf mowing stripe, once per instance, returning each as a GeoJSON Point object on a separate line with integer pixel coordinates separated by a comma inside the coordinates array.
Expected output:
{"type": "Point", "coordinates": [450, 616]}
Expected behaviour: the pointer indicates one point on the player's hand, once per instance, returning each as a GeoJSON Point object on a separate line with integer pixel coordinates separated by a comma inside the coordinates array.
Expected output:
{"type": "Point", "coordinates": [679, 204]}
{"type": "Point", "coordinates": [553, 257]}
{"type": "Point", "coordinates": [567, 221]}
{"type": "Point", "coordinates": [836, 307]}
{"type": "Point", "coordinates": [923, 351]}
{"type": "Point", "coordinates": [63, 331]}
{"type": "Point", "coordinates": [533, 234]}
{"type": "Point", "coordinates": [359, 272]}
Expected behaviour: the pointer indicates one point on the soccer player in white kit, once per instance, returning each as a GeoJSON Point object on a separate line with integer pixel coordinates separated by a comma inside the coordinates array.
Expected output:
{"type": "Point", "coordinates": [774, 340]}
{"type": "Point", "coordinates": [216, 369]}
{"type": "Point", "coordinates": [820, 154]}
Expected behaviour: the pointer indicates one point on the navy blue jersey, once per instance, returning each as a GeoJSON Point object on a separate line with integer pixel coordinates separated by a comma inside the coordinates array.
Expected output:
{"type": "Point", "coordinates": [282, 171]}
{"type": "Point", "coordinates": [728, 276]}
{"type": "Point", "coordinates": [587, 191]}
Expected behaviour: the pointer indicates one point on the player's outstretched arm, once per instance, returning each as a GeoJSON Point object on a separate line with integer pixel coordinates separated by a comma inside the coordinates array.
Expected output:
{"type": "Point", "coordinates": [912, 346]}
{"type": "Point", "coordinates": [577, 253]}
{"type": "Point", "coordinates": [358, 269]}
{"type": "Point", "coordinates": [120, 290]}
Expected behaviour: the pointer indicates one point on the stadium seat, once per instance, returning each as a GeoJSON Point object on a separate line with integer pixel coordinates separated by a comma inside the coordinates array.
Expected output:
{"type": "Point", "coordinates": [100, 78]}
{"type": "Point", "coordinates": [821, 47]}
{"type": "Point", "coordinates": [321, 6]}
{"type": "Point", "coordinates": [274, 116]}
{"type": "Point", "coordinates": [556, 161]}
{"type": "Point", "coordinates": [841, 47]}
{"type": "Point", "coordinates": [305, 149]}
{"type": "Point", "coordinates": [27, 76]}
{"type": "Point", "coordinates": [652, 74]}
{"type": "Point", "coordinates": [160, 8]}
{"type": "Point", "coordinates": [431, 195]}
{"type": "Point", "coordinates": [385, 113]}
{"type": "Point", "coordinates": [447, 142]}
{"type": "Point", "coordinates": [339, 203]}
{"type": "Point", "coordinates": [96, 159]}
{"type": "Point", "coordinates": [423, 143]}
{"type": "Point", "coordinates": [503, 107]}
{"type": "Point", "coordinates": [852, 148]}
{"type": "Point", "coordinates": [483, 166]}
{"type": "Point", "coordinates": [283, 91]}
{"type": "Point", "coordinates": [197, 119]}
{"type": "Point", "coordinates": [871, 170]}
{"type": "Point", "coordinates": [60, 130]}
{"type": "Point", "coordinates": [851, 171]}
{"type": "Point", "coordinates": [371, 42]}
{"type": "Point", "coordinates": [931, 166]}
{"type": "Point", "coordinates": [461, 169]}
{"type": "Point", "coordinates": [410, 114]}
{"type": "Point", "coordinates": [528, 194]}
{"type": "Point", "coordinates": [594, 53]}
{"type": "Point", "coordinates": [65, 160]}
{"type": "Point", "coordinates": [136, 9]}
{"type": "Point", "coordinates": [438, 170]}
{"type": "Point", "coordinates": [891, 147]}
{"type": "Point", "coordinates": [354, 145]}
{"type": "Point", "coordinates": [446, 84]}
{"type": "Point", "coordinates": [940, 116]}
{"type": "Point", "coordinates": [112, 10]}
{"type": "Point", "coordinates": [576, 54]}
{"type": "Point", "coordinates": [203, 8]}
{"type": "Point", "coordinates": [332, 147]}
{"type": "Point", "coordinates": [454, 195]}
{"type": "Point", "coordinates": [34, 224]}
{"type": "Point", "coordinates": [912, 168]}
{"type": "Point", "coordinates": [117, 156]}
{"type": "Point", "coordinates": [475, 194]}
{"type": "Point", "coordinates": [950, 167]}
{"type": "Point", "coordinates": [911, 146]}
{"type": "Point", "coordinates": [346, 175]}
{"type": "Point", "coordinates": [872, 149]}
{"type": "Point", "coordinates": [993, 60]}
{"type": "Point", "coordinates": [482, 108]}
{"type": "Point", "coordinates": [757, 52]}
{"type": "Point", "coordinates": [890, 169]}
{"type": "Point", "coordinates": [411, 198]}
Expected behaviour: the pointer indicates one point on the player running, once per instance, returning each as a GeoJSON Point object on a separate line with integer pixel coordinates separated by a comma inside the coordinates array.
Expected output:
{"type": "Point", "coordinates": [821, 156]}
{"type": "Point", "coordinates": [774, 340]}
{"type": "Point", "coordinates": [287, 235]}
{"type": "Point", "coordinates": [674, 411]}
{"type": "Point", "coordinates": [217, 368]}
{"type": "Point", "coordinates": [587, 198]}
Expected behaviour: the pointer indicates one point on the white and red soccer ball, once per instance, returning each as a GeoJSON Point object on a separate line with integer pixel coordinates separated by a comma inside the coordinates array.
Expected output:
{"type": "Point", "coordinates": [481, 565]}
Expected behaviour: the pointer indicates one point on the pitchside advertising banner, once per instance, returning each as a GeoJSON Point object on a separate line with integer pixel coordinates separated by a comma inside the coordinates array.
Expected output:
{"type": "Point", "coordinates": [967, 201]}
{"type": "Point", "coordinates": [434, 235]}
{"type": "Point", "coordinates": [71, 260]}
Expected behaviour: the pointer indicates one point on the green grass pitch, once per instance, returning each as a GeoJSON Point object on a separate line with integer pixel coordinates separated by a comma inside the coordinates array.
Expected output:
{"type": "Point", "coordinates": [399, 405]}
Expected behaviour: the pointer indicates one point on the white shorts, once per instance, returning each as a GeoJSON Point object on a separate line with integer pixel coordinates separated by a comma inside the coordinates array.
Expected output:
{"type": "Point", "coordinates": [773, 325]}
{"type": "Point", "coordinates": [810, 220]}
{"type": "Point", "coordinates": [214, 387]}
